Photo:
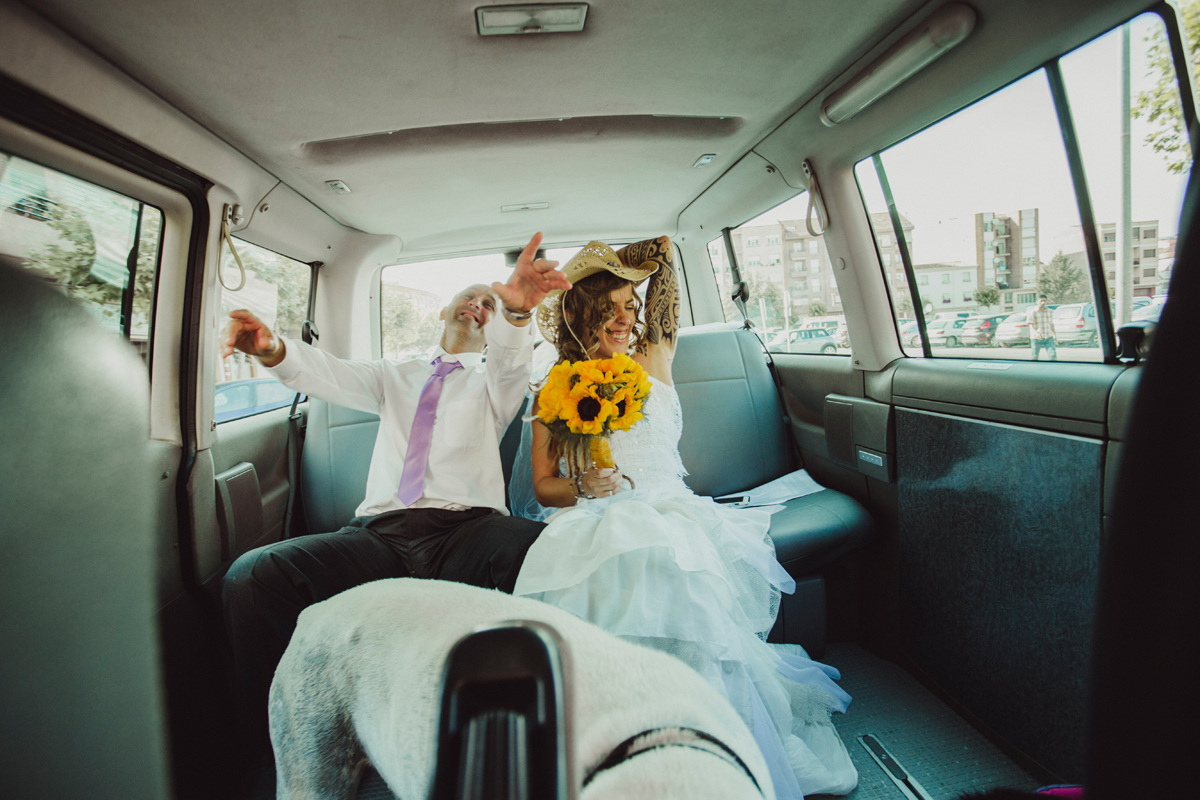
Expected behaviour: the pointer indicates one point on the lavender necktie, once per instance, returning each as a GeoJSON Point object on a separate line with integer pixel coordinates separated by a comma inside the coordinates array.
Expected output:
{"type": "Point", "coordinates": [412, 482]}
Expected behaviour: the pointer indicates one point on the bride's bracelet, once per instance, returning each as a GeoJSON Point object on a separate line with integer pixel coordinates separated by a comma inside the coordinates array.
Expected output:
{"type": "Point", "coordinates": [578, 490]}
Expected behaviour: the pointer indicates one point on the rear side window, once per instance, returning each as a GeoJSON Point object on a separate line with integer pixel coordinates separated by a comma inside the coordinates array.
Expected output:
{"type": "Point", "coordinates": [94, 245]}
{"type": "Point", "coordinates": [794, 301]}
{"type": "Point", "coordinates": [276, 291]}
{"type": "Point", "coordinates": [412, 296]}
{"type": "Point", "coordinates": [989, 202]}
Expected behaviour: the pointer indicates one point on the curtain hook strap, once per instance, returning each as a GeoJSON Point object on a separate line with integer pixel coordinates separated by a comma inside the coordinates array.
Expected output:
{"type": "Point", "coordinates": [815, 201]}
{"type": "Point", "coordinates": [226, 239]}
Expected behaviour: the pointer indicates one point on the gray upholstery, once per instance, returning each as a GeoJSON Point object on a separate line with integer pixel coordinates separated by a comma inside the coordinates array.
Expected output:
{"type": "Point", "coordinates": [733, 433]}
{"type": "Point", "coordinates": [337, 453]}
{"type": "Point", "coordinates": [79, 681]}
{"type": "Point", "coordinates": [719, 370]}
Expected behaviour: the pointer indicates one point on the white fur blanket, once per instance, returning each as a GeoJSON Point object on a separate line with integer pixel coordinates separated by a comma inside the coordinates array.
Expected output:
{"type": "Point", "coordinates": [360, 683]}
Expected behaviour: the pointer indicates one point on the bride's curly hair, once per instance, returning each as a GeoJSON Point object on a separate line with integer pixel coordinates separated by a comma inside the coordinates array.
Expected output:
{"type": "Point", "coordinates": [589, 305]}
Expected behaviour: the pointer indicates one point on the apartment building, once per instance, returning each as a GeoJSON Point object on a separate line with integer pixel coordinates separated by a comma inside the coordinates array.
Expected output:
{"type": "Point", "coordinates": [947, 287]}
{"type": "Point", "coordinates": [1007, 254]}
{"type": "Point", "coordinates": [1144, 241]}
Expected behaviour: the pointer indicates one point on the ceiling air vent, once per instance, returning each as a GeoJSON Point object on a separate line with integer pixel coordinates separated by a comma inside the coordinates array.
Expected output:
{"type": "Point", "coordinates": [524, 206]}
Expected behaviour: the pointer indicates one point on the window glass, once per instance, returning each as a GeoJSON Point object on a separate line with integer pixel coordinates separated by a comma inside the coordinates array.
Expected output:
{"type": "Point", "coordinates": [1158, 157]}
{"type": "Point", "coordinates": [413, 295]}
{"type": "Point", "coordinates": [988, 189]}
{"type": "Point", "coordinates": [787, 296]}
{"type": "Point", "coordinates": [276, 291]}
{"type": "Point", "coordinates": [94, 245]}
{"type": "Point", "coordinates": [1022, 223]}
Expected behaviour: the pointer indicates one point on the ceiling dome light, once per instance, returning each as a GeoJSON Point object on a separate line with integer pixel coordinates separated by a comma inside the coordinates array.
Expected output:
{"type": "Point", "coordinates": [515, 20]}
{"type": "Point", "coordinates": [942, 30]}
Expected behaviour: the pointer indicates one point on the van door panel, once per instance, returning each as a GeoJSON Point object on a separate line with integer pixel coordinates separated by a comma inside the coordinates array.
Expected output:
{"type": "Point", "coordinates": [1065, 391]}
{"type": "Point", "coordinates": [985, 560]}
{"type": "Point", "coordinates": [999, 537]}
{"type": "Point", "coordinates": [260, 440]}
{"type": "Point", "coordinates": [805, 382]}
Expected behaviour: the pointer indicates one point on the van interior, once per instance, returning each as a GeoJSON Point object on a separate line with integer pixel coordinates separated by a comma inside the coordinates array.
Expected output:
{"type": "Point", "coordinates": [1002, 555]}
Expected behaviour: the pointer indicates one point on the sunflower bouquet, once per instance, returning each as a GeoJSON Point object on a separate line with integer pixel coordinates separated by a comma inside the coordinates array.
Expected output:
{"type": "Point", "coordinates": [583, 402]}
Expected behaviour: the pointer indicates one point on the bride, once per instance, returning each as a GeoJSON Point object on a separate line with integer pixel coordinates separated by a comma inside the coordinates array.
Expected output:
{"type": "Point", "coordinates": [634, 551]}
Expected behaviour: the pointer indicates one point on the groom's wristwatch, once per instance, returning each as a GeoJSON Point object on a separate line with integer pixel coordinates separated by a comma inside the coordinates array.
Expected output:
{"type": "Point", "coordinates": [517, 316]}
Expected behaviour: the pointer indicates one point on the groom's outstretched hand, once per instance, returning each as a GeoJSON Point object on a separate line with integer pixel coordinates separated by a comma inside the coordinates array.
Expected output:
{"type": "Point", "coordinates": [531, 280]}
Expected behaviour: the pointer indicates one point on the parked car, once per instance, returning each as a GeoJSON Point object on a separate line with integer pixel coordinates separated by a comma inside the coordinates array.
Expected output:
{"type": "Point", "coordinates": [1076, 324]}
{"type": "Point", "coordinates": [829, 323]}
{"type": "Point", "coordinates": [1014, 330]}
{"type": "Point", "coordinates": [841, 335]}
{"type": "Point", "coordinates": [805, 340]}
{"type": "Point", "coordinates": [237, 399]}
{"type": "Point", "coordinates": [981, 330]}
{"type": "Point", "coordinates": [1151, 310]}
{"type": "Point", "coordinates": [948, 332]}
{"type": "Point", "coordinates": [909, 333]}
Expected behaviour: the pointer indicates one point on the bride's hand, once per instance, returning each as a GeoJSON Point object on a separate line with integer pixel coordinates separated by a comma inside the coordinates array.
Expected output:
{"type": "Point", "coordinates": [602, 482]}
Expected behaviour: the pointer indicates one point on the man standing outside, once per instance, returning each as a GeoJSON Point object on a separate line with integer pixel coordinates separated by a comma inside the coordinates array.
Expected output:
{"type": "Point", "coordinates": [1041, 330]}
{"type": "Point", "coordinates": [434, 504]}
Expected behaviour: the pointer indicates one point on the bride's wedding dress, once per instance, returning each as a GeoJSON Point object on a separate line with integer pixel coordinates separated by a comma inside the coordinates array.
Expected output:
{"type": "Point", "coordinates": [663, 567]}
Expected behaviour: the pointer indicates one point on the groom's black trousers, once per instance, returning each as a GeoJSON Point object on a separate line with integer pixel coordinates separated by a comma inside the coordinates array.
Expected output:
{"type": "Point", "coordinates": [266, 589]}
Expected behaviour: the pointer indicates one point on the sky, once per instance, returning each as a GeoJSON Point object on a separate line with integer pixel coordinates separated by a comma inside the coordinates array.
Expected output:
{"type": "Point", "coordinates": [445, 278]}
{"type": "Point", "coordinates": [1005, 154]}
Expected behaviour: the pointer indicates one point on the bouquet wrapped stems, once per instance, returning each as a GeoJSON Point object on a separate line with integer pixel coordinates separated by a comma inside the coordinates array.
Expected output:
{"type": "Point", "coordinates": [601, 453]}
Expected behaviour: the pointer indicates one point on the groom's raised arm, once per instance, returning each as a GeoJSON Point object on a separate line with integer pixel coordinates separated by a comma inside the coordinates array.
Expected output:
{"type": "Point", "coordinates": [510, 343]}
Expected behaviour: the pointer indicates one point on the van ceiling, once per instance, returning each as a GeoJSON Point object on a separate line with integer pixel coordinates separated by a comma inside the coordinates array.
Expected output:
{"type": "Point", "coordinates": [434, 128]}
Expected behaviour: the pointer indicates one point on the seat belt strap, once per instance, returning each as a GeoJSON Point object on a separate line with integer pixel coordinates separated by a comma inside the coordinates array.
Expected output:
{"type": "Point", "coordinates": [295, 441]}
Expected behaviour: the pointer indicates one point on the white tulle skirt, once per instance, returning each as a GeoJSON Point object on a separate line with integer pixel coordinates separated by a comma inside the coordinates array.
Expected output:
{"type": "Point", "coordinates": [682, 574]}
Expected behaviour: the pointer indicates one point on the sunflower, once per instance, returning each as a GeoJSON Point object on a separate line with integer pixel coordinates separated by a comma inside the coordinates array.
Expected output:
{"type": "Point", "coordinates": [554, 394]}
{"type": "Point", "coordinates": [586, 410]}
{"type": "Point", "coordinates": [628, 406]}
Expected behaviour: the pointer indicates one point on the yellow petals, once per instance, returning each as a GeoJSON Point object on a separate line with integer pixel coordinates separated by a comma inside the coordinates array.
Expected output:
{"type": "Point", "coordinates": [593, 398]}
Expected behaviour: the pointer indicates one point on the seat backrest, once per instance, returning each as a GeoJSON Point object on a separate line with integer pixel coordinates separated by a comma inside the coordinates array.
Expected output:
{"type": "Point", "coordinates": [337, 454]}
{"type": "Point", "coordinates": [734, 436]}
{"type": "Point", "coordinates": [79, 679]}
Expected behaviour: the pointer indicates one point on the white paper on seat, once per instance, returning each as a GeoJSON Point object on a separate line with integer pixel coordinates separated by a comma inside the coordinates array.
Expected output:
{"type": "Point", "coordinates": [789, 487]}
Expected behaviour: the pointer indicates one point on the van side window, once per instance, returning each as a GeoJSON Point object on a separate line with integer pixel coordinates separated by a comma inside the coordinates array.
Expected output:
{"type": "Point", "coordinates": [94, 245]}
{"type": "Point", "coordinates": [276, 291]}
{"type": "Point", "coordinates": [784, 278]}
{"type": "Point", "coordinates": [991, 189]}
{"type": "Point", "coordinates": [1137, 266]}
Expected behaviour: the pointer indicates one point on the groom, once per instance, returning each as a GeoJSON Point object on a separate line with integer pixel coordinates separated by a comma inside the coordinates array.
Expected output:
{"type": "Point", "coordinates": [434, 504]}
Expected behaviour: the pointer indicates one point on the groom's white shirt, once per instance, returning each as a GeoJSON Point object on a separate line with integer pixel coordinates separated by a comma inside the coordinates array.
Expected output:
{"type": "Point", "coordinates": [477, 403]}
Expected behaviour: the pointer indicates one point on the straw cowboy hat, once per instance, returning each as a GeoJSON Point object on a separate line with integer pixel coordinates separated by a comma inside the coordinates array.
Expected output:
{"type": "Point", "coordinates": [594, 257]}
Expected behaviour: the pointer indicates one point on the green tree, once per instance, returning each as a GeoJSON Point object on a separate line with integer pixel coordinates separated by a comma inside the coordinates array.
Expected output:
{"type": "Point", "coordinates": [816, 309]}
{"type": "Point", "coordinates": [290, 278]}
{"type": "Point", "coordinates": [1160, 104]}
{"type": "Point", "coordinates": [1062, 282]}
{"type": "Point", "coordinates": [763, 287]}
{"type": "Point", "coordinates": [987, 296]}
{"type": "Point", "coordinates": [405, 327]}
{"type": "Point", "coordinates": [69, 260]}
{"type": "Point", "coordinates": [904, 306]}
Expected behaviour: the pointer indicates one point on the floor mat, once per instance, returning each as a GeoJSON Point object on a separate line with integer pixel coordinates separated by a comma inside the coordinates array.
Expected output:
{"type": "Point", "coordinates": [946, 755]}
